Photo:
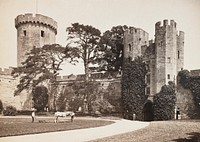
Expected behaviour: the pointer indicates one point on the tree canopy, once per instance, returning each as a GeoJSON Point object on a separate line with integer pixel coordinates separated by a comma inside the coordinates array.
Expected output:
{"type": "Point", "coordinates": [110, 55]}
{"type": "Point", "coordinates": [42, 65]}
{"type": "Point", "coordinates": [85, 39]}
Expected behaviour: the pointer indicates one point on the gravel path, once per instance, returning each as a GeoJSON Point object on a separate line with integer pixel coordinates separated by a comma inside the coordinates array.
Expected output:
{"type": "Point", "coordinates": [119, 127]}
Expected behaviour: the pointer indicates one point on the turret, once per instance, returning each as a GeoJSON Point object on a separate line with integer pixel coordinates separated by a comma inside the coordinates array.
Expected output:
{"type": "Point", "coordinates": [33, 31]}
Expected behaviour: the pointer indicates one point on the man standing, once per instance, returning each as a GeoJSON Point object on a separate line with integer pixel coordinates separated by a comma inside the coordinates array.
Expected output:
{"type": "Point", "coordinates": [33, 115]}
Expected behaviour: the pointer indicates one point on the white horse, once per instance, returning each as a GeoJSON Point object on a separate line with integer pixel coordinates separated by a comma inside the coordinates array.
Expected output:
{"type": "Point", "coordinates": [64, 114]}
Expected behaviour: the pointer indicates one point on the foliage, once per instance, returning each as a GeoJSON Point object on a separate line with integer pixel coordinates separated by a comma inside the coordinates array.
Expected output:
{"type": "Point", "coordinates": [113, 95]}
{"type": "Point", "coordinates": [133, 87]}
{"type": "Point", "coordinates": [65, 96]}
{"type": "Point", "coordinates": [1, 106]}
{"type": "Point", "coordinates": [103, 106]}
{"type": "Point", "coordinates": [164, 103]}
{"type": "Point", "coordinates": [86, 93]}
{"type": "Point", "coordinates": [193, 84]}
{"type": "Point", "coordinates": [40, 97]}
{"type": "Point", "coordinates": [10, 111]}
{"type": "Point", "coordinates": [42, 65]}
{"type": "Point", "coordinates": [110, 51]}
{"type": "Point", "coordinates": [85, 39]}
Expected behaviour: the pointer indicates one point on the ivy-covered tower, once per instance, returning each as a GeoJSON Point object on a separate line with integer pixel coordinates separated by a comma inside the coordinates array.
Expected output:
{"type": "Point", "coordinates": [33, 31]}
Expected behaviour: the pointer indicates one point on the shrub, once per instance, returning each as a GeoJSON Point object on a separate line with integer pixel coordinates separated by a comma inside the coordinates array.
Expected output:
{"type": "Point", "coordinates": [1, 106]}
{"type": "Point", "coordinates": [164, 103]}
{"type": "Point", "coordinates": [10, 111]}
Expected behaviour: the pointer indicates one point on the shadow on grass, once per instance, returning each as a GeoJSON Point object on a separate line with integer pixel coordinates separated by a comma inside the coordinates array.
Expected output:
{"type": "Point", "coordinates": [193, 137]}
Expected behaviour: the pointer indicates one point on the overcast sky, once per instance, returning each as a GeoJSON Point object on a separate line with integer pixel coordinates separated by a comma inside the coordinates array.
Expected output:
{"type": "Point", "coordinates": [103, 14]}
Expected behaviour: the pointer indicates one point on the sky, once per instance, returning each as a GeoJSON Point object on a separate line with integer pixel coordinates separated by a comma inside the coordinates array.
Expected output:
{"type": "Point", "coordinates": [102, 14]}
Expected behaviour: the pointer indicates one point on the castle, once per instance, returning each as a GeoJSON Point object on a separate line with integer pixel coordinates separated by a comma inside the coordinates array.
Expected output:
{"type": "Point", "coordinates": [164, 55]}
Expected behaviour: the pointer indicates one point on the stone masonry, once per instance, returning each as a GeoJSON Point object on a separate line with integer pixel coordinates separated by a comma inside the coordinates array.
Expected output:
{"type": "Point", "coordinates": [164, 55]}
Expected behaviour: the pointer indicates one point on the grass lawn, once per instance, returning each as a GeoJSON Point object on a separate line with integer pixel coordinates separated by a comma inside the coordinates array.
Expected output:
{"type": "Point", "coordinates": [161, 131]}
{"type": "Point", "coordinates": [20, 126]}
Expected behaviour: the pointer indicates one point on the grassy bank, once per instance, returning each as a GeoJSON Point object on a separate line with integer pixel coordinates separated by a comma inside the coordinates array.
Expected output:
{"type": "Point", "coordinates": [20, 126]}
{"type": "Point", "coordinates": [162, 131]}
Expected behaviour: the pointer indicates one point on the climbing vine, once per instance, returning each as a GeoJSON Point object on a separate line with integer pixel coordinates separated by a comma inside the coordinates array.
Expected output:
{"type": "Point", "coordinates": [193, 84]}
{"type": "Point", "coordinates": [164, 102]}
{"type": "Point", "coordinates": [133, 88]}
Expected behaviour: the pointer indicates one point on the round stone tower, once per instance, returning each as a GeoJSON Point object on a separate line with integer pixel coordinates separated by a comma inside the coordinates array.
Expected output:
{"type": "Point", "coordinates": [33, 31]}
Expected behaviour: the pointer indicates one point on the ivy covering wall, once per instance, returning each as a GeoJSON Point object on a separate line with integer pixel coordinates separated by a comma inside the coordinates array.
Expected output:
{"type": "Point", "coordinates": [193, 84]}
{"type": "Point", "coordinates": [133, 88]}
{"type": "Point", "coordinates": [164, 103]}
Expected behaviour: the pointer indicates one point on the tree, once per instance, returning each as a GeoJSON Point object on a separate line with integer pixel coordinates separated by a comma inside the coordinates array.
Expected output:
{"type": "Point", "coordinates": [133, 88]}
{"type": "Point", "coordinates": [42, 65]}
{"type": "Point", "coordinates": [86, 39]}
{"type": "Point", "coordinates": [164, 102]}
{"type": "Point", "coordinates": [86, 93]}
{"type": "Point", "coordinates": [110, 52]}
{"type": "Point", "coordinates": [66, 95]}
{"type": "Point", "coordinates": [40, 97]}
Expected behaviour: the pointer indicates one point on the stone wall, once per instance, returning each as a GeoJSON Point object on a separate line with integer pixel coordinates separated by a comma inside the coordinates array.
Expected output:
{"type": "Point", "coordinates": [134, 39]}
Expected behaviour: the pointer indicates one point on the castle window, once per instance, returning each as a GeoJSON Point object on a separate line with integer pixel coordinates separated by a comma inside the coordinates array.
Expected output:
{"type": "Point", "coordinates": [178, 54]}
{"type": "Point", "coordinates": [148, 91]}
{"type": "Point", "coordinates": [168, 76]}
{"type": "Point", "coordinates": [42, 33]}
{"type": "Point", "coordinates": [161, 43]}
{"type": "Point", "coordinates": [148, 78]}
{"type": "Point", "coordinates": [168, 60]}
{"type": "Point", "coordinates": [24, 32]}
{"type": "Point", "coordinates": [129, 59]}
{"type": "Point", "coordinates": [129, 47]}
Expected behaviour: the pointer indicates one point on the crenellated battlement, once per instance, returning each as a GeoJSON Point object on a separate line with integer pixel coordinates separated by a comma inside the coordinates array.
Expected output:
{"type": "Point", "coordinates": [95, 76]}
{"type": "Point", "coordinates": [180, 34]}
{"type": "Point", "coordinates": [165, 23]}
{"type": "Point", "coordinates": [6, 71]}
{"type": "Point", "coordinates": [131, 30]}
{"type": "Point", "coordinates": [38, 18]}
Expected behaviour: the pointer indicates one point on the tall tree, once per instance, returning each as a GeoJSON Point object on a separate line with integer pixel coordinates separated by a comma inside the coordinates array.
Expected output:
{"type": "Point", "coordinates": [86, 38]}
{"type": "Point", "coordinates": [42, 65]}
{"type": "Point", "coordinates": [110, 55]}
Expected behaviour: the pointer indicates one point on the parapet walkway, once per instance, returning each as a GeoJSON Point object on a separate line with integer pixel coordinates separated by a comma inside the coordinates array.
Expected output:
{"type": "Point", "coordinates": [81, 135]}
